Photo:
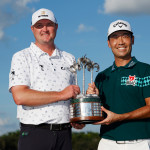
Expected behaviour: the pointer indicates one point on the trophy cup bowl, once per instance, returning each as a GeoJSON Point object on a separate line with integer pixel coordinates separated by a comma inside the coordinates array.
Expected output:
{"type": "Point", "coordinates": [85, 108]}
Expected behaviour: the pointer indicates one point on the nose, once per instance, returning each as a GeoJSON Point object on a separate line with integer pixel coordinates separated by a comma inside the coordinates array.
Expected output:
{"type": "Point", "coordinates": [44, 28]}
{"type": "Point", "coordinates": [120, 40]}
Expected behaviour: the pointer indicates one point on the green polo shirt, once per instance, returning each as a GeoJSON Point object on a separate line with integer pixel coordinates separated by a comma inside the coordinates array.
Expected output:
{"type": "Point", "coordinates": [124, 89]}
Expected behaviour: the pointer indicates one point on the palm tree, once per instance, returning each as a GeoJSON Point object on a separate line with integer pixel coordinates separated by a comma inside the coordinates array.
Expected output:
{"type": "Point", "coordinates": [73, 69]}
{"type": "Point", "coordinates": [83, 61]}
{"type": "Point", "coordinates": [90, 67]}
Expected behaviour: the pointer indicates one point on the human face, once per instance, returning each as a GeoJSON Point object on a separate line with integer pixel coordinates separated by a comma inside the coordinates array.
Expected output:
{"type": "Point", "coordinates": [121, 44]}
{"type": "Point", "coordinates": [44, 32]}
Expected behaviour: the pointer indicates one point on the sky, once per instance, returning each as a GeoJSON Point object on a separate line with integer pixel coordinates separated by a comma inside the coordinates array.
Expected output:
{"type": "Point", "coordinates": [82, 30]}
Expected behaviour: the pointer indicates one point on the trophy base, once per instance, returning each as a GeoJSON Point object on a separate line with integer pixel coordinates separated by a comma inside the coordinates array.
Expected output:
{"type": "Point", "coordinates": [86, 120]}
{"type": "Point", "coordinates": [86, 109]}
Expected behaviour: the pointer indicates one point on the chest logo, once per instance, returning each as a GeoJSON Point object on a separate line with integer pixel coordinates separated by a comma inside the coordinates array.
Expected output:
{"type": "Point", "coordinates": [131, 80]}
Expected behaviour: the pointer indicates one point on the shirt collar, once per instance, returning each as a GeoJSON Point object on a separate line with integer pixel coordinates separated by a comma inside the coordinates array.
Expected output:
{"type": "Point", "coordinates": [39, 53]}
{"type": "Point", "coordinates": [129, 65]}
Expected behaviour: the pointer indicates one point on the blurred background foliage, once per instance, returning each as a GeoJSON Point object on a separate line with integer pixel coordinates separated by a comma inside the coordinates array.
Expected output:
{"type": "Point", "coordinates": [80, 141]}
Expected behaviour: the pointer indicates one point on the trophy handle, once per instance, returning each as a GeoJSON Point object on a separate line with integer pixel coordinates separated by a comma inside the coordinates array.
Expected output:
{"type": "Point", "coordinates": [83, 90]}
{"type": "Point", "coordinates": [76, 78]}
{"type": "Point", "coordinates": [92, 76]}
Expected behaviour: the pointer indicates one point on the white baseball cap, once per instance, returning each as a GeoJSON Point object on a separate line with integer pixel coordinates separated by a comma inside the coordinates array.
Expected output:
{"type": "Point", "coordinates": [43, 14]}
{"type": "Point", "coordinates": [118, 26]}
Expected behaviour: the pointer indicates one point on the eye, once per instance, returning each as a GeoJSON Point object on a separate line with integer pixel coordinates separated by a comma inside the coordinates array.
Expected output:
{"type": "Point", "coordinates": [38, 26]}
{"type": "Point", "coordinates": [126, 35]}
{"type": "Point", "coordinates": [50, 24]}
{"type": "Point", "coordinates": [114, 36]}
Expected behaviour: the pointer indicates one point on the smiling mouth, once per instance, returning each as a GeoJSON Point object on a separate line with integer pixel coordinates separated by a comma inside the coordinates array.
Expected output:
{"type": "Point", "coordinates": [121, 48]}
{"type": "Point", "coordinates": [45, 34]}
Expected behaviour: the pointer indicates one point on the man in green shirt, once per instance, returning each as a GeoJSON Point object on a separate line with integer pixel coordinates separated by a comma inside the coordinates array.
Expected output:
{"type": "Point", "coordinates": [124, 89]}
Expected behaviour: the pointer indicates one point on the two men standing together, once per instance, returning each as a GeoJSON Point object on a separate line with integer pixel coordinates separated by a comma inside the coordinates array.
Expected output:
{"type": "Point", "coordinates": [42, 91]}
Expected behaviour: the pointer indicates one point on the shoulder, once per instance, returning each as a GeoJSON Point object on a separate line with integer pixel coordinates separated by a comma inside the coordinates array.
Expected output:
{"type": "Point", "coordinates": [143, 68]}
{"type": "Point", "coordinates": [21, 53]}
{"type": "Point", "coordinates": [105, 71]}
{"type": "Point", "coordinates": [103, 74]}
{"type": "Point", "coordinates": [66, 55]}
{"type": "Point", "coordinates": [142, 64]}
{"type": "Point", "coordinates": [21, 57]}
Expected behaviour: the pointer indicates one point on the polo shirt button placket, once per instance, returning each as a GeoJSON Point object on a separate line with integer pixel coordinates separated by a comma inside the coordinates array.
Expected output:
{"type": "Point", "coordinates": [52, 64]}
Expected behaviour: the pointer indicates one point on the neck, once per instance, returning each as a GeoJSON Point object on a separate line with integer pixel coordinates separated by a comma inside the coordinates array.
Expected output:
{"type": "Point", "coordinates": [122, 62]}
{"type": "Point", "coordinates": [46, 48]}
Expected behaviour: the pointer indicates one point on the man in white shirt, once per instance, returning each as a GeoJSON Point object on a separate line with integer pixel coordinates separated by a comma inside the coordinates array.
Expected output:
{"type": "Point", "coordinates": [42, 86]}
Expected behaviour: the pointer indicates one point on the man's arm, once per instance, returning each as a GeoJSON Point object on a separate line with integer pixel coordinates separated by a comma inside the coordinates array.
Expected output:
{"type": "Point", "coordinates": [141, 113]}
{"type": "Point", "coordinates": [24, 96]}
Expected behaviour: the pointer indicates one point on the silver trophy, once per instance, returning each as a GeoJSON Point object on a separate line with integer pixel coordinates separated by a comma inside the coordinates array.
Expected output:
{"type": "Point", "coordinates": [85, 108]}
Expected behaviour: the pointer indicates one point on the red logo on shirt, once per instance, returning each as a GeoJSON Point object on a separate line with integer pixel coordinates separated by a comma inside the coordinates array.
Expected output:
{"type": "Point", "coordinates": [131, 78]}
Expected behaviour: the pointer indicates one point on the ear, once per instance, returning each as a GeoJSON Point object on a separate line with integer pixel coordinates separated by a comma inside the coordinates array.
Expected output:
{"type": "Point", "coordinates": [32, 28]}
{"type": "Point", "coordinates": [132, 40]}
{"type": "Point", "coordinates": [56, 25]}
{"type": "Point", "coordinates": [108, 43]}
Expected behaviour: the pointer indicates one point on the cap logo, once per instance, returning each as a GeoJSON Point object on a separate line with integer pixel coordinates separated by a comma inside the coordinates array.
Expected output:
{"type": "Point", "coordinates": [120, 24]}
{"type": "Point", "coordinates": [42, 12]}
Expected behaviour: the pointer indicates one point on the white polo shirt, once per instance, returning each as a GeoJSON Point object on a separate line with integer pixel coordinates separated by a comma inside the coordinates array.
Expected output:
{"type": "Point", "coordinates": [41, 72]}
